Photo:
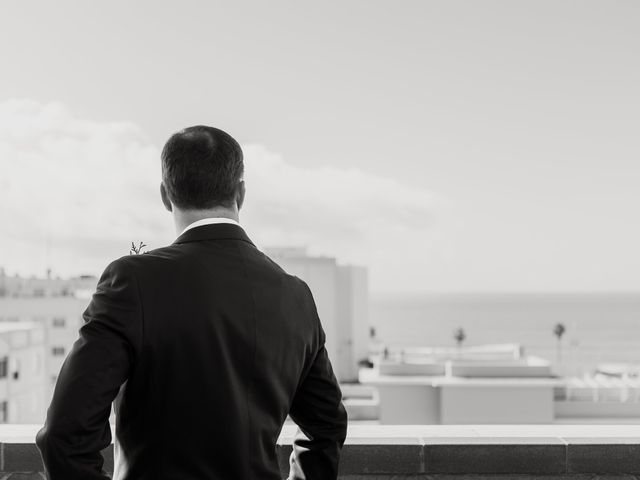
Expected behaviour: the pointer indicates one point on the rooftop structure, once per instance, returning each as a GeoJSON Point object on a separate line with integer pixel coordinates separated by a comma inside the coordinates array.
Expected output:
{"type": "Point", "coordinates": [482, 384]}
{"type": "Point", "coordinates": [15, 286]}
{"type": "Point", "coordinates": [491, 384]}
{"type": "Point", "coordinates": [618, 370]}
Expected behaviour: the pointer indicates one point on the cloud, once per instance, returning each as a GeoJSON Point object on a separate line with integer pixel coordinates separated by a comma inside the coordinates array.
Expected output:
{"type": "Point", "coordinates": [344, 212]}
{"type": "Point", "coordinates": [79, 189]}
{"type": "Point", "coordinates": [75, 192]}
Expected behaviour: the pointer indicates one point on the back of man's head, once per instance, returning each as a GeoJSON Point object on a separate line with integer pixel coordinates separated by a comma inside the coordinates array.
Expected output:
{"type": "Point", "coordinates": [202, 168]}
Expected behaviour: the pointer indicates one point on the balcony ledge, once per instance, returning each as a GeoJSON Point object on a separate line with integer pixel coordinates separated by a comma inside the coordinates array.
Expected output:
{"type": "Point", "coordinates": [377, 452]}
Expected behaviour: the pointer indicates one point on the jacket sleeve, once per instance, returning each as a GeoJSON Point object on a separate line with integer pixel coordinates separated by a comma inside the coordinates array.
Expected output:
{"type": "Point", "coordinates": [318, 411]}
{"type": "Point", "coordinates": [77, 427]}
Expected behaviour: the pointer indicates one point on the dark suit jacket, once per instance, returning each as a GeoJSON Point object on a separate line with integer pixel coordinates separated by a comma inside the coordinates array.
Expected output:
{"type": "Point", "coordinates": [205, 345]}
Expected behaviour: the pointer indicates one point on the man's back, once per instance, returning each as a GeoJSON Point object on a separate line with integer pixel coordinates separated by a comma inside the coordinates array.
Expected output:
{"type": "Point", "coordinates": [220, 345]}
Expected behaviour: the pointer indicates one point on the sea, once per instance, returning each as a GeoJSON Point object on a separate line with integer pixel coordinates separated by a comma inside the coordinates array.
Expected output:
{"type": "Point", "coordinates": [600, 328]}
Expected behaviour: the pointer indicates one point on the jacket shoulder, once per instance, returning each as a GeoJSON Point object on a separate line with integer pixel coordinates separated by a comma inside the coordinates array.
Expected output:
{"type": "Point", "coordinates": [133, 266]}
{"type": "Point", "coordinates": [141, 260]}
{"type": "Point", "coordinates": [300, 284]}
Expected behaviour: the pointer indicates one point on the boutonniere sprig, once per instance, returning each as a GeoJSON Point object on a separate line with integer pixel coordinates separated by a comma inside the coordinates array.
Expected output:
{"type": "Point", "coordinates": [137, 250]}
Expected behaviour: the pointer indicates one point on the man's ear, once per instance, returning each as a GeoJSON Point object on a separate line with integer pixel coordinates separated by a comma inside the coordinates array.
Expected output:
{"type": "Point", "coordinates": [240, 194]}
{"type": "Point", "coordinates": [165, 197]}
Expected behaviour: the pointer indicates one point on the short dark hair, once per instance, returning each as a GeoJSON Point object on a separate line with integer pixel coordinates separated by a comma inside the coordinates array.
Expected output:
{"type": "Point", "coordinates": [201, 168]}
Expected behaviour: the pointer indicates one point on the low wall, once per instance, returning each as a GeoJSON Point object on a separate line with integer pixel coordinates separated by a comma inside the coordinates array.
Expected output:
{"type": "Point", "coordinates": [377, 452]}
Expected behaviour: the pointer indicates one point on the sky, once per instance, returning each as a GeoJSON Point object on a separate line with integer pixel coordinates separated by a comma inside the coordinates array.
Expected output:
{"type": "Point", "coordinates": [449, 146]}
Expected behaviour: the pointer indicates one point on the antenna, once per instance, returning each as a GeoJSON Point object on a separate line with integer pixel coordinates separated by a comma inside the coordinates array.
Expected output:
{"type": "Point", "coordinates": [48, 253]}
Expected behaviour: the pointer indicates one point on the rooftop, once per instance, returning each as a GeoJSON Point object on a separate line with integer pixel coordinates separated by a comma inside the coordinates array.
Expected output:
{"type": "Point", "coordinates": [17, 326]}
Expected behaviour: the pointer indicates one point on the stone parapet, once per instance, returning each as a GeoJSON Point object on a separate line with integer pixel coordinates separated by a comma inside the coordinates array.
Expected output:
{"type": "Point", "coordinates": [462, 452]}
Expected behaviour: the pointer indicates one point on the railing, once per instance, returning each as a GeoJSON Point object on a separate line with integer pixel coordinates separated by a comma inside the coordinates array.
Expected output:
{"type": "Point", "coordinates": [378, 452]}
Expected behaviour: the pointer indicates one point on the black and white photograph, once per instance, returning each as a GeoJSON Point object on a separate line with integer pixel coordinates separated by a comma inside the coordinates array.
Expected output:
{"type": "Point", "coordinates": [355, 240]}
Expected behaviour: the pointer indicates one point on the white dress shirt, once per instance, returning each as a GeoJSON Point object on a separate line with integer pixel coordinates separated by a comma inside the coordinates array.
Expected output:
{"type": "Point", "coordinates": [210, 221]}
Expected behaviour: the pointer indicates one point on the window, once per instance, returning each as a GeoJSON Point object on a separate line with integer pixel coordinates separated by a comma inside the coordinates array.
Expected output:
{"type": "Point", "coordinates": [14, 368]}
{"type": "Point", "coordinates": [4, 367]}
{"type": "Point", "coordinates": [57, 351]}
{"type": "Point", "coordinates": [4, 411]}
{"type": "Point", "coordinates": [37, 364]}
{"type": "Point", "coordinates": [59, 321]}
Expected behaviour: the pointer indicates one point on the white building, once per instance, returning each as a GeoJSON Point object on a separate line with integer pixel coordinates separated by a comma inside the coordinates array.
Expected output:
{"type": "Point", "coordinates": [56, 304]}
{"type": "Point", "coordinates": [598, 397]}
{"type": "Point", "coordinates": [341, 296]}
{"type": "Point", "coordinates": [15, 286]}
{"type": "Point", "coordinates": [464, 385]}
{"type": "Point", "coordinates": [60, 318]}
{"type": "Point", "coordinates": [491, 384]}
{"type": "Point", "coordinates": [22, 372]}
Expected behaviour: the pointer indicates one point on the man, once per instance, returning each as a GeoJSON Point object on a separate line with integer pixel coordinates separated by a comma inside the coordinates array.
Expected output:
{"type": "Point", "coordinates": [204, 346]}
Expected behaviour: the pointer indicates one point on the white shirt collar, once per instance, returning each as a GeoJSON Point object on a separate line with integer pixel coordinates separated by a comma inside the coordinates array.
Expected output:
{"type": "Point", "coordinates": [210, 221]}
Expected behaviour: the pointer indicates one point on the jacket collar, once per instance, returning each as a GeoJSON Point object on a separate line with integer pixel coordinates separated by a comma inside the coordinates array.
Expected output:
{"type": "Point", "coordinates": [215, 231]}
